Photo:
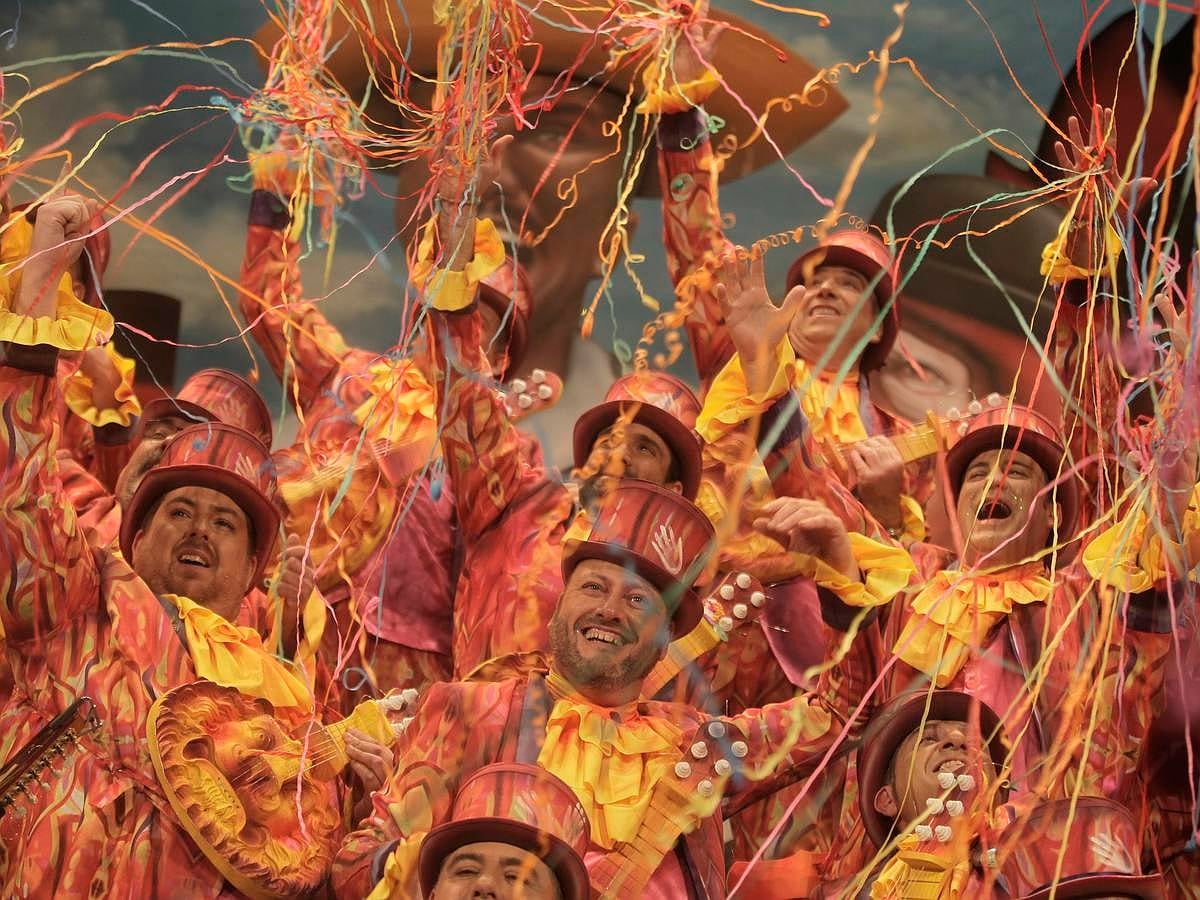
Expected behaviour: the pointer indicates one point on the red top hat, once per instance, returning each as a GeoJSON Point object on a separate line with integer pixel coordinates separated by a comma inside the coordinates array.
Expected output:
{"type": "Point", "coordinates": [521, 805]}
{"type": "Point", "coordinates": [217, 395]}
{"type": "Point", "coordinates": [217, 456]}
{"type": "Point", "coordinates": [1098, 847]}
{"type": "Point", "coordinates": [508, 287]}
{"type": "Point", "coordinates": [866, 254]}
{"type": "Point", "coordinates": [1024, 429]}
{"type": "Point", "coordinates": [663, 403]}
{"type": "Point", "coordinates": [659, 533]}
{"type": "Point", "coordinates": [895, 721]}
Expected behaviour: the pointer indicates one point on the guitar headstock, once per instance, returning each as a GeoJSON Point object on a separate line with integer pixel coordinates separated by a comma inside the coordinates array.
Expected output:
{"type": "Point", "coordinates": [26, 774]}
{"type": "Point", "coordinates": [955, 423]}
{"type": "Point", "coordinates": [736, 600]}
{"type": "Point", "coordinates": [713, 757]}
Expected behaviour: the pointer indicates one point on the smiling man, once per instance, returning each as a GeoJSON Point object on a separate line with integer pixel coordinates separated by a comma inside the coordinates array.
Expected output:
{"type": "Point", "coordinates": [649, 775]}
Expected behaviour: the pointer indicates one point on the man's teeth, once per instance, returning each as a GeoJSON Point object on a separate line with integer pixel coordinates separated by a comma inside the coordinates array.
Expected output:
{"type": "Point", "coordinates": [598, 634]}
{"type": "Point", "coordinates": [193, 559]}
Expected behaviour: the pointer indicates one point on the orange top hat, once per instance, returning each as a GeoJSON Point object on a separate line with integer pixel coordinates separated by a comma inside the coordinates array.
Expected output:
{"type": "Point", "coordinates": [1098, 847]}
{"type": "Point", "coordinates": [866, 254]}
{"type": "Point", "coordinates": [660, 534]}
{"type": "Point", "coordinates": [217, 395]}
{"type": "Point", "coordinates": [217, 456]}
{"type": "Point", "coordinates": [663, 403]}
{"type": "Point", "coordinates": [756, 64]}
{"type": "Point", "coordinates": [1024, 429]}
{"type": "Point", "coordinates": [895, 721]}
{"type": "Point", "coordinates": [521, 805]}
{"type": "Point", "coordinates": [508, 288]}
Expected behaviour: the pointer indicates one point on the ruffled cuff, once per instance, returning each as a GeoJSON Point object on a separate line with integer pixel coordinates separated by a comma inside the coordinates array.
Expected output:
{"type": "Point", "coordinates": [728, 404]}
{"type": "Point", "coordinates": [399, 875]}
{"type": "Point", "coordinates": [75, 326]}
{"type": "Point", "coordinates": [447, 290]}
{"type": "Point", "coordinates": [78, 392]}
{"type": "Point", "coordinates": [1133, 557]}
{"type": "Point", "coordinates": [913, 517]}
{"type": "Point", "coordinates": [678, 97]}
{"type": "Point", "coordinates": [884, 571]}
{"type": "Point", "coordinates": [1057, 267]}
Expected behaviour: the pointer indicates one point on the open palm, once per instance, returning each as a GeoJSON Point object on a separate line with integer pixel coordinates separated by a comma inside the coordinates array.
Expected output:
{"type": "Point", "coordinates": [756, 325]}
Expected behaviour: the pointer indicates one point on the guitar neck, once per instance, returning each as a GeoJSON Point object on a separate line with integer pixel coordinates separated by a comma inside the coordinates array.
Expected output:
{"type": "Point", "coordinates": [327, 747]}
{"type": "Point", "coordinates": [916, 444]}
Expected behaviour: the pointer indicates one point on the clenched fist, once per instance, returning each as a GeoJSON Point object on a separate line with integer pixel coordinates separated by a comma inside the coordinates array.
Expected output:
{"type": "Point", "coordinates": [811, 528]}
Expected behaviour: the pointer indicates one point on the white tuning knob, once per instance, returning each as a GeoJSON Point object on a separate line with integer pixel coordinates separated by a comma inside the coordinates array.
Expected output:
{"type": "Point", "coordinates": [726, 592]}
{"type": "Point", "coordinates": [716, 730]}
{"type": "Point", "coordinates": [743, 581]}
{"type": "Point", "coordinates": [962, 429]}
{"type": "Point", "coordinates": [739, 749]}
{"type": "Point", "coordinates": [725, 623]}
{"type": "Point", "coordinates": [953, 413]}
{"type": "Point", "coordinates": [994, 400]}
{"type": "Point", "coordinates": [945, 780]}
{"type": "Point", "coordinates": [722, 767]}
{"type": "Point", "coordinates": [705, 787]}
{"type": "Point", "coordinates": [740, 610]}
{"type": "Point", "coordinates": [936, 805]}
{"type": "Point", "coordinates": [545, 392]}
{"type": "Point", "coordinates": [943, 833]}
{"type": "Point", "coordinates": [524, 401]}
{"type": "Point", "coordinates": [699, 750]}
{"type": "Point", "coordinates": [954, 807]}
{"type": "Point", "coordinates": [537, 376]}
{"type": "Point", "coordinates": [758, 598]}
{"type": "Point", "coordinates": [923, 833]}
{"type": "Point", "coordinates": [966, 782]}
{"type": "Point", "coordinates": [517, 385]}
{"type": "Point", "coordinates": [974, 407]}
{"type": "Point", "coordinates": [683, 770]}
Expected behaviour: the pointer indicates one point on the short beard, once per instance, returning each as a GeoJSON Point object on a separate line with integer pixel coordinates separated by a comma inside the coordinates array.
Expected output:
{"type": "Point", "coordinates": [599, 674]}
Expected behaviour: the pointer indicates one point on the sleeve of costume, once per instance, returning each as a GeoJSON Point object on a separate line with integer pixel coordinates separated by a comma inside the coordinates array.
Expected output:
{"type": "Point", "coordinates": [1136, 555]}
{"type": "Point", "coordinates": [456, 726]}
{"type": "Point", "coordinates": [48, 574]}
{"type": "Point", "coordinates": [729, 405]}
{"type": "Point", "coordinates": [302, 347]}
{"type": "Point", "coordinates": [486, 460]}
{"type": "Point", "coordinates": [692, 233]}
{"type": "Point", "coordinates": [786, 736]}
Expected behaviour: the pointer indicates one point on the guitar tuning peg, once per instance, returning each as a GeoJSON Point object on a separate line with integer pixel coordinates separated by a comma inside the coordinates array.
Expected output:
{"type": "Point", "coordinates": [726, 592]}
{"type": "Point", "coordinates": [517, 385]}
{"type": "Point", "coordinates": [725, 623]}
{"type": "Point", "coordinates": [524, 401]}
{"type": "Point", "coordinates": [683, 770]}
{"type": "Point", "coordinates": [953, 413]}
{"type": "Point", "coordinates": [758, 598]}
{"type": "Point", "coordinates": [923, 833]}
{"type": "Point", "coordinates": [699, 750]}
{"type": "Point", "coordinates": [537, 376]}
{"type": "Point", "coordinates": [962, 429]}
{"type": "Point", "coordinates": [994, 400]}
{"type": "Point", "coordinates": [974, 407]}
{"type": "Point", "coordinates": [705, 787]}
{"type": "Point", "coordinates": [716, 730]}
{"type": "Point", "coordinates": [743, 581]}
{"type": "Point", "coordinates": [740, 611]}
{"type": "Point", "coordinates": [723, 768]}
{"type": "Point", "coordinates": [545, 392]}
{"type": "Point", "coordinates": [943, 833]}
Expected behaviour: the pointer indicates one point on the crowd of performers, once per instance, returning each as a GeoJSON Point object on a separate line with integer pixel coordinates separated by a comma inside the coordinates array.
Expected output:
{"type": "Point", "coordinates": [764, 635]}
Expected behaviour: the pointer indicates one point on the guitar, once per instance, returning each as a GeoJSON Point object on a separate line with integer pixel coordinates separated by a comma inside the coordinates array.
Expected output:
{"type": "Point", "coordinates": [49, 748]}
{"type": "Point", "coordinates": [736, 601]}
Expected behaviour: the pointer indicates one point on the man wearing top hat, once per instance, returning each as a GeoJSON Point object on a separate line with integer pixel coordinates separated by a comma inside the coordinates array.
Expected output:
{"type": "Point", "coordinates": [649, 775]}
{"type": "Point", "coordinates": [559, 245]}
{"type": "Point", "coordinates": [80, 619]}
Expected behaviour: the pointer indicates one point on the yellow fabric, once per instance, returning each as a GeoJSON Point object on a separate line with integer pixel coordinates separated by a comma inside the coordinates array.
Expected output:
{"type": "Point", "coordinates": [1132, 556]}
{"type": "Point", "coordinates": [915, 875]}
{"type": "Point", "coordinates": [401, 408]}
{"type": "Point", "coordinates": [954, 612]}
{"type": "Point", "coordinates": [75, 326]}
{"type": "Point", "coordinates": [448, 290]}
{"type": "Point", "coordinates": [233, 656]}
{"type": "Point", "coordinates": [1057, 267]}
{"type": "Point", "coordinates": [612, 766]}
{"type": "Point", "coordinates": [678, 97]}
{"type": "Point", "coordinates": [913, 517]}
{"type": "Point", "coordinates": [884, 571]}
{"type": "Point", "coordinates": [830, 406]}
{"type": "Point", "coordinates": [400, 872]}
{"type": "Point", "coordinates": [78, 388]}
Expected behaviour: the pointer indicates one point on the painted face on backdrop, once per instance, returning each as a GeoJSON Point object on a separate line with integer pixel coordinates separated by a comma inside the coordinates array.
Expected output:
{"type": "Point", "coordinates": [197, 543]}
{"type": "Point", "coordinates": [940, 747]}
{"type": "Point", "coordinates": [1001, 519]}
{"type": "Point", "coordinates": [494, 870]}
{"type": "Point", "coordinates": [609, 629]}
{"type": "Point", "coordinates": [833, 305]}
{"type": "Point", "coordinates": [524, 201]}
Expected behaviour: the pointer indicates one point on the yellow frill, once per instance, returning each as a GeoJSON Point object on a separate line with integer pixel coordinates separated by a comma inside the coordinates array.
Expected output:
{"type": "Point", "coordinates": [915, 875]}
{"type": "Point", "coordinates": [884, 571]}
{"type": "Point", "coordinates": [677, 98]}
{"type": "Point", "coordinates": [401, 410]}
{"type": "Point", "coordinates": [1057, 266]}
{"type": "Point", "coordinates": [448, 290]}
{"type": "Point", "coordinates": [830, 406]}
{"type": "Point", "coordinates": [612, 766]}
{"type": "Point", "coordinates": [913, 517]}
{"type": "Point", "coordinates": [400, 871]}
{"type": "Point", "coordinates": [75, 326]}
{"type": "Point", "coordinates": [1131, 556]}
{"type": "Point", "coordinates": [233, 656]}
{"type": "Point", "coordinates": [954, 612]}
{"type": "Point", "coordinates": [78, 388]}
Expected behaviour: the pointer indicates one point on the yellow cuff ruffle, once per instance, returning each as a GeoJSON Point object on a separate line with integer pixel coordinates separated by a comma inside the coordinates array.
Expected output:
{"type": "Point", "coordinates": [1132, 556]}
{"type": "Point", "coordinates": [400, 873]}
{"type": "Point", "coordinates": [884, 571]}
{"type": "Point", "coordinates": [728, 404]}
{"type": "Point", "coordinates": [449, 290]}
{"type": "Point", "coordinates": [78, 392]}
{"type": "Point", "coordinates": [913, 516]}
{"type": "Point", "coordinates": [677, 98]}
{"type": "Point", "coordinates": [1057, 267]}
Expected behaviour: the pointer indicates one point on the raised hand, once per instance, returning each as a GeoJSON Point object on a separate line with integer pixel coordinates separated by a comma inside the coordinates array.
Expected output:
{"type": "Point", "coordinates": [811, 528]}
{"type": "Point", "coordinates": [58, 231]}
{"type": "Point", "coordinates": [756, 325]}
{"type": "Point", "coordinates": [458, 192]}
{"type": "Point", "coordinates": [693, 50]}
{"type": "Point", "coordinates": [877, 470]}
{"type": "Point", "coordinates": [297, 576]}
{"type": "Point", "coordinates": [371, 762]}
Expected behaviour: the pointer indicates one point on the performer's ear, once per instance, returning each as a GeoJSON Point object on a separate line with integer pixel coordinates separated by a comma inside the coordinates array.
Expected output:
{"type": "Point", "coordinates": [885, 801]}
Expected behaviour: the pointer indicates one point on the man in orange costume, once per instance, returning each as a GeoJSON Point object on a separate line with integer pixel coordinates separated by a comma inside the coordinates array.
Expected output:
{"type": "Point", "coordinates": [650, 775]}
